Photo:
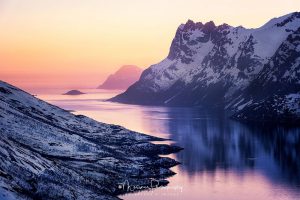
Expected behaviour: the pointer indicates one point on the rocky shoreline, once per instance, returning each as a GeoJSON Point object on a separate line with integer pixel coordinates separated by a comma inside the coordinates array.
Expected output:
{"type": "Point", "coordinates": [49, 153]}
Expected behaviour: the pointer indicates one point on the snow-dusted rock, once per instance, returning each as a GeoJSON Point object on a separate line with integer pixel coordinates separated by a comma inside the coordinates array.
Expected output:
{"type": "Point", "coordinates": [48, 153]}
{"type": "Point", "coordinates": [274, 95]}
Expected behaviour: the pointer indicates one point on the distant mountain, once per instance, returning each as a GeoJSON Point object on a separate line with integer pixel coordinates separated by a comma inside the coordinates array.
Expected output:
{"type": "Point", "coordinates": [49, 153]}
{"type": "Point", "coordinates": [73, 92]}
{"type": "Point", "coordinates": [123, 78]}
{"type": "Point", "coordinates": [219, 66]}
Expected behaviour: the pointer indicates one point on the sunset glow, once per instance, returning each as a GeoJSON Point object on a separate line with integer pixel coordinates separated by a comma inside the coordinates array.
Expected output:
{"type": "Point", "coordinates": [77, 43]}
{"type": "Point", "coordinates": [150, 99]}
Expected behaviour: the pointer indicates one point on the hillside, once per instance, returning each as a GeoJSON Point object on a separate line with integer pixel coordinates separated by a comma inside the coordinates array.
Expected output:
{"type": "Point", "coordinates": [48, 153]}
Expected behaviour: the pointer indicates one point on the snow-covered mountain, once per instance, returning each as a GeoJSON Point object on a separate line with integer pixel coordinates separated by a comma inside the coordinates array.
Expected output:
{"type": "Point", "coordinates": [122, 78]}
{"type": "Point", "coordinates": [211, 65]}
{"type": "Point", "coordinates": [49, 153]}
{"type": "Point", "coordinates": [275, 93]}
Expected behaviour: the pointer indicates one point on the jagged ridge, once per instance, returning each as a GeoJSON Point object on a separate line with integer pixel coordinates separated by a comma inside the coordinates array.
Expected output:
{"type": "Point", "coordinates": [214, 66]}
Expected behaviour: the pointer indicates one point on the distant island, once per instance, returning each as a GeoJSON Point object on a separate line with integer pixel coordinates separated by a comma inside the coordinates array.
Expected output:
{"type": "Point", "coordinates": [122, 79]}
{"type": "Point", "coordinates": [73, 92]}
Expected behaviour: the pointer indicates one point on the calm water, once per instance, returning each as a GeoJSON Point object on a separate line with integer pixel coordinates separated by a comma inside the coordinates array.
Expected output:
{"type": "Point", "coordinates": [222, 159]}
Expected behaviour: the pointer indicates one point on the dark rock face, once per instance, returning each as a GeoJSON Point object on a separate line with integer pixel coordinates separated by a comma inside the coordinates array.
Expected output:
{"type": "Point", "coordinates": [73, 92]}
{"type": "Point", "coordinates": [217, 66]}
{"type": "Point", "coordinates": [123, 78]}
{"type": "Point", "coordinates": [49, 153]}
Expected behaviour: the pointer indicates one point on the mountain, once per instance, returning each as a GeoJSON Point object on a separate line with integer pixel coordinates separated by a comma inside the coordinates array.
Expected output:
{"type": "Point", "coordinates": [49, 153]}
{"type": "Point", "coordinates": [216, 66]}
{"type": "Point", "coordinates": [73, 92]}
{"type": "Point", "coordinates": [274, 95]}
{"type": "Point", "coordinates": [123, 78]}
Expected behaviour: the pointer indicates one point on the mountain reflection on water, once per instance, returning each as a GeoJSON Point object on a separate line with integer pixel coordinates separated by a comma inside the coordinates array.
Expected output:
{"type": "Point", "coordinates": [212, 142]}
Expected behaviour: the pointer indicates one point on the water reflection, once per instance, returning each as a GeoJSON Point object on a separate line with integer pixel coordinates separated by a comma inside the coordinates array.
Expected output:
{"type": "Point", "coordinates": [213, 142]}
{"type": "Point", "coordinates": [222, 159]}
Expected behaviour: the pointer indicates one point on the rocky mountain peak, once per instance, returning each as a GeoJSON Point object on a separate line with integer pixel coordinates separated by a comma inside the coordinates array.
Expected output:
{"type": "Point", "coordinates": [214, 65]}
{"type": "Point", "coordinates": [209, 26]}
{"type": "Point", "coordinates": [191, 25]}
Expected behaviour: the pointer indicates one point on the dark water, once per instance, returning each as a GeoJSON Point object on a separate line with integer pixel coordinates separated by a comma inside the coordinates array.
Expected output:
{"type": "Point", "coordinates": [222, 159]}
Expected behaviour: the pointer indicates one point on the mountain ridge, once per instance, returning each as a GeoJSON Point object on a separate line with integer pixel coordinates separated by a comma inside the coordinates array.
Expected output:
{"type": "Point", "coordinates": [210, 65]}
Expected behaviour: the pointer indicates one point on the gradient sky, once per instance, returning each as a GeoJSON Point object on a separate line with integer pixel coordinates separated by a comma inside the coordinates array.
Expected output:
{"type": "Point", "coordinates": [77, 43]}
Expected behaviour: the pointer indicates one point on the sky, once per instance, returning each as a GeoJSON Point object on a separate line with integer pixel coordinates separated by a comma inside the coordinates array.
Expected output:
{"type": "Point", "coordinates": [77, 43]}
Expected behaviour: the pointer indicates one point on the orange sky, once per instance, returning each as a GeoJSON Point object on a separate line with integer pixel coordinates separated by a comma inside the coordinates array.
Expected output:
{"type": "Point", "coordinates": [77, 43]}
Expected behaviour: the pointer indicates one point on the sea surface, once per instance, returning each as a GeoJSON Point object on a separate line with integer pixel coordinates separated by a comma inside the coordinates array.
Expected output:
{"type": "Point", "coordinates": [222, 159]}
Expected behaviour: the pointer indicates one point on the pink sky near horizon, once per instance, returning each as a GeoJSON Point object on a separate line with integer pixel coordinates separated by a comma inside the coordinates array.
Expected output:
{"type": "Point", "coordinates": [77, 43]}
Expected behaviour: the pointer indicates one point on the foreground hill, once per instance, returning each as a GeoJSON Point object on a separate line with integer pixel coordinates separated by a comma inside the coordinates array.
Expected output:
{"type": "Point", "coordinates": [218, 66]}
{"type": "Point", "coordinates": [123, 78]}
{"type": "Point", "coordinates": [49, 153]}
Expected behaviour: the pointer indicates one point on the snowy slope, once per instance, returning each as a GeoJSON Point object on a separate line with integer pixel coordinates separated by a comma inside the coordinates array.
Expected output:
{"type": "Point", "coordinates": [274, 95]}
{"type": "Point", "coordinates": [209, 64]}
{"type": "Point", "coordinates": [49, 153]}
